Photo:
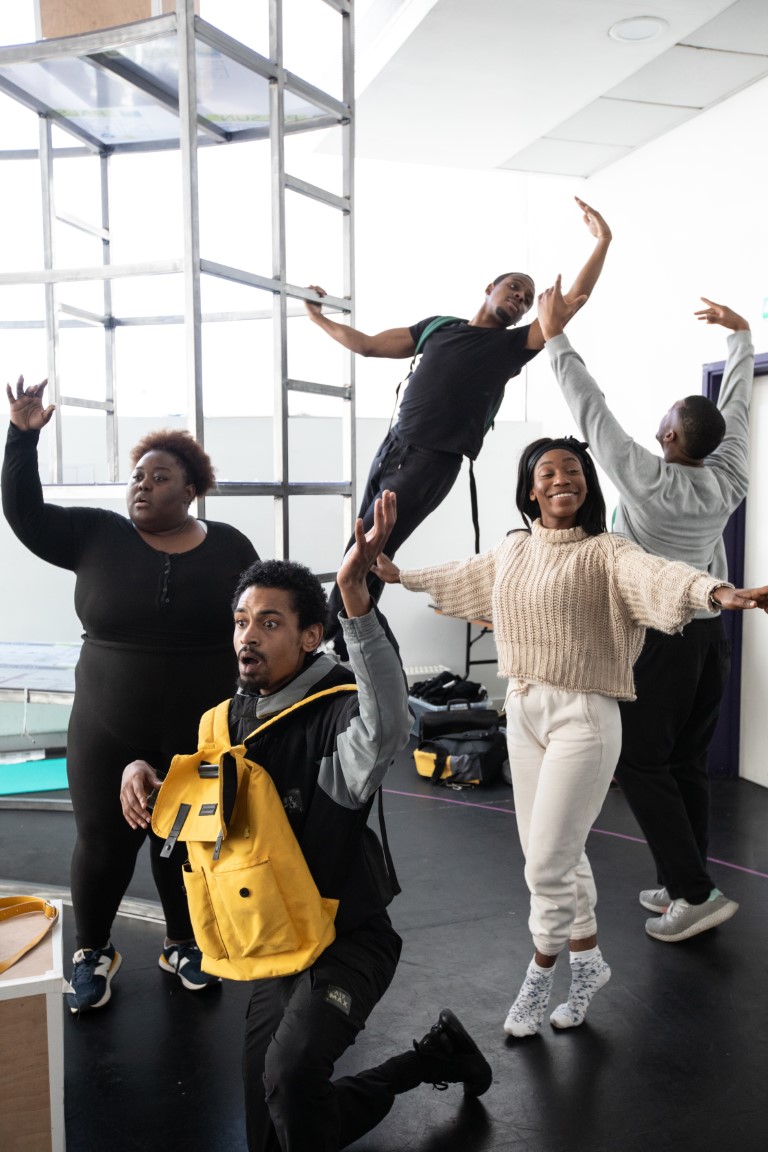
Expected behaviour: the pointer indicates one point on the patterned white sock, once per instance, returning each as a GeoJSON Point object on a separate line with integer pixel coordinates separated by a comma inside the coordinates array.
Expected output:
{"type": "Point", "coordinates": [588, 973]}
{"type": "Point", "coordinates": [526, 1015]}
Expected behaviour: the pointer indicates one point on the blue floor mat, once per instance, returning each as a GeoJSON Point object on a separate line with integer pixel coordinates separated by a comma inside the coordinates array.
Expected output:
{"type": "Point", "coordinates": [33, 776]}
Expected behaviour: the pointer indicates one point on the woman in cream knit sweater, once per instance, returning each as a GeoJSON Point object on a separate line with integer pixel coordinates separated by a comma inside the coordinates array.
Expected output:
{"type": "Point", "coordinates": [570, 603]}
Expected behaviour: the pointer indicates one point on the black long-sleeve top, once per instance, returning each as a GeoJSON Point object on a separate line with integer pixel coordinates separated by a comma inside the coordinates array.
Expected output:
{"type": "Point", "coordinates": [126, 592]}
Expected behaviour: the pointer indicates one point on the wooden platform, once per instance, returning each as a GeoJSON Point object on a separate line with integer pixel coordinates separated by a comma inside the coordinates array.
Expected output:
{"type": "Point", "coordinates": [32, 1039]}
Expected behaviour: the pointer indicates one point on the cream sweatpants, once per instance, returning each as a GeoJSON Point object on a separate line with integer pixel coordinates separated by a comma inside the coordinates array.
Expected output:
{"type": "Point", "coordinates": [563, 748]}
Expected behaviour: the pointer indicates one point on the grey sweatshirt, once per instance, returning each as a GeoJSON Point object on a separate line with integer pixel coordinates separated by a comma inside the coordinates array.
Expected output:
{"type": "Point", "coordinates": [670, 510]}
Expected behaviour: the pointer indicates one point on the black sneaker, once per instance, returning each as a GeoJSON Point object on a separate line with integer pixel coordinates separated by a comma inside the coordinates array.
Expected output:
{"type": "Point", "coordinates": [449, 1055]}
{"type": "Point", "coordinates": [185, 961]}
{"type": "Point", "coordinates": [92, 972]}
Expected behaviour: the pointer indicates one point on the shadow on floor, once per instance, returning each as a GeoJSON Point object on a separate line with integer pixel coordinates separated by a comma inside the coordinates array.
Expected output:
{"type": "Point", "coordinates": [673, 1056]}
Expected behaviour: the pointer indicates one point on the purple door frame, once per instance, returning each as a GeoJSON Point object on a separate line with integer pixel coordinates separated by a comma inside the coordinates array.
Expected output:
{"type": "Point", "coordinates": [724, 749]}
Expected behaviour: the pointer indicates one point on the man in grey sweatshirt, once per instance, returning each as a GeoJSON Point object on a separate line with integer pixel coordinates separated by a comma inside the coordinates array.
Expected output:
{"type": "Point", "coordinates": [676, 506]}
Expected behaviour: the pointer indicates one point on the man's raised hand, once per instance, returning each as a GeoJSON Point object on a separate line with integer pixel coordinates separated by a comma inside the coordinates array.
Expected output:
{"type": "Point", "coordinates": [723, 315]}
{"type": "Point", "coordinates": [358, 561]}
{"type": "Point", "coordinates": [555, 311]}
{"type": "Point", "coordinates": [594, 221]}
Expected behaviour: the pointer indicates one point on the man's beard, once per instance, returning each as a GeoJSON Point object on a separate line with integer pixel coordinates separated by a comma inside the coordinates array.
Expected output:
{"type": "Point", "coordinates": [251, 687]}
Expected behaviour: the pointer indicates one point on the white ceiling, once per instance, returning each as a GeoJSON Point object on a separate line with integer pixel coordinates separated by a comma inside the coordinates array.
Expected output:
{"type": "Point", "coordinates": [539, 85]}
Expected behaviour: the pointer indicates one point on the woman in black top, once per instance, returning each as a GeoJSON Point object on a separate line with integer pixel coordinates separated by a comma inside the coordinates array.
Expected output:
{"type": "Point", "coordinates": [153, 593]}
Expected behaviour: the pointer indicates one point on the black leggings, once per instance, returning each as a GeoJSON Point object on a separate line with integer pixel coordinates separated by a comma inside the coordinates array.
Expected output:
{"type": "Point", "coordinates": [131, 705]}
{"type": "Point", "coordinates": [421, 478]}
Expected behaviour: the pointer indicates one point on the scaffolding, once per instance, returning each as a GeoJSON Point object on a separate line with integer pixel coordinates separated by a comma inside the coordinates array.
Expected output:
{"type": "Point", "coordinates": [175, 82]}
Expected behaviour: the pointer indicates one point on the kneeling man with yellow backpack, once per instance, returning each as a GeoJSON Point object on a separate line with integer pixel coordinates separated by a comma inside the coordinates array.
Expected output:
{"type": "Point", "coordinates": [287, 884]}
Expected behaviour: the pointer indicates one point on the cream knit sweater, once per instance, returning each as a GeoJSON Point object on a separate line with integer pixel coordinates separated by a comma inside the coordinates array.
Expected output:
{"type": "Point", "coordinates": [568, 609]}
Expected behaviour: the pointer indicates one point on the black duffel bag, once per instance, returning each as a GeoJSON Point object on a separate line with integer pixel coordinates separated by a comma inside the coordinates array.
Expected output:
{"type": "Point", "coordinates": [461, 747]}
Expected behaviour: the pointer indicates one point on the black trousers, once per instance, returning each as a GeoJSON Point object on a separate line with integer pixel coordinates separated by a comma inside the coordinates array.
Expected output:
{"type": "Point", "coordinates": [421, 478]}
{"type": "Point", "coordinates": [131, 705]}
{"type": "Point", "coordinates": [296, 1029]}
{"type": "Point", "coordinates": [666, 734]}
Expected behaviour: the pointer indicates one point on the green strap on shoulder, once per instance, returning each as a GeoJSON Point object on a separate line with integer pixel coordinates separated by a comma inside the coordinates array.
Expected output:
{"type": "Point", "coordinates": [438, 322]}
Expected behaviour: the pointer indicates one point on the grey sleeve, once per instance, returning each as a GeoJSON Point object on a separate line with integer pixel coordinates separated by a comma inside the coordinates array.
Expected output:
{"type": "Point", "coordinates": [731, 456]}
{"type": "Point", "coordinates": [634, 470]}
{"type": "Point", "coordinates": [379, 723]}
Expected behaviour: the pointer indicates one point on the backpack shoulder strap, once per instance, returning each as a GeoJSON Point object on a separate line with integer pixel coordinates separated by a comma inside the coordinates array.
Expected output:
{"type": "Point", "coordinates": [489, 423]}
{"type": "Point", "coordinates": [396, 889]}
{"type": "Point", "coordinates": [214, 726]}
{"type": "Point", "coordinates": [475, 509]}
{"type": "Point", "coordinates": [334, 691]}
{"type": "Point", "coordinates": [438, 322]}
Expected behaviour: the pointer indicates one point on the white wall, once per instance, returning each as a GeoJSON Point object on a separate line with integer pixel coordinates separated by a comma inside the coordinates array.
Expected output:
{"type": "Point", "coordinates": [38, 597]}
{"type": "Point", "coordinates": [754, 665]}
{"type": "Point", "coordinates": [689, 219]}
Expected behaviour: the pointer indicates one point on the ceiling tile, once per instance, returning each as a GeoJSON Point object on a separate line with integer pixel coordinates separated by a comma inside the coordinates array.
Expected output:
{"type": "Point", "coordinates": [564, 157]}
{"type": "Point", "coordinates": [741, 28]}
{"type": "Point", "coordinates": [691, 77]}
{"type": "Point", "coordinates": [627, 122]}
{"type": "Point", "coordinates": [472, 84]}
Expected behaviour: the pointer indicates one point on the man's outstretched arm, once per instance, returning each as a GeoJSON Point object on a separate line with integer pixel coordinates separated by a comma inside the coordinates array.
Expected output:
{"type": "Point", "coordinates": [380, 723]}
{"type": "Point", "coordinates": [590, 273]}
{"type": "Point", "coordinates": [351, 577]}
{"type": "Point", "coordinates": [633, 469]}
{"type": "Point", "coordinates": [735, 395]}
{"type": "Point", "coordinates": [581, 289]}
{"type": "Point", "coordinates": [393, 343]}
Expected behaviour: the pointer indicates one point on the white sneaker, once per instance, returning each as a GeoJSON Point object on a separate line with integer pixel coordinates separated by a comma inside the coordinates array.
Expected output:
{"type": "Point", "coordinates": [655, 899]}
{"type": "Point", "coordinates": [683, 920]}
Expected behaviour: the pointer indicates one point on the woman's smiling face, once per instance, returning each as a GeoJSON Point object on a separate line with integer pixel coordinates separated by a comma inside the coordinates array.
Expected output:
{"type": "Point", "coordinates": [559, 488]}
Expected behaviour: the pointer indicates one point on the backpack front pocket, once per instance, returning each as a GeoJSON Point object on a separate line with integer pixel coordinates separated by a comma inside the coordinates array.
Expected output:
{"type": "Point", "coordinates": [258, 922]}
{"type": "Point", "coordinates": [201, 911]}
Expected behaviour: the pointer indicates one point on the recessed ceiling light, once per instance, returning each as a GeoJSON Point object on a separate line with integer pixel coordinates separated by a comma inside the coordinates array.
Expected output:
{"type": "Point", "coordinates": [638, 28]}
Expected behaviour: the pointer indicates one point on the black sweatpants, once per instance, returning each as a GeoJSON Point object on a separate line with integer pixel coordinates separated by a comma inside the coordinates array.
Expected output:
{"type": "Point", "coordinates": [421, 478]}
{"type": "Point", "coordinates": [131, 704]}
{"type": "Point", "coordinates": [666, 734]}
{"type": "Point", "coordinates": [296, 1029]}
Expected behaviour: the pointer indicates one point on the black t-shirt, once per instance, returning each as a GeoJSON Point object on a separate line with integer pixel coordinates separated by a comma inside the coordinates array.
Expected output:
{"type": "Point", "coordinates": [457, 384]}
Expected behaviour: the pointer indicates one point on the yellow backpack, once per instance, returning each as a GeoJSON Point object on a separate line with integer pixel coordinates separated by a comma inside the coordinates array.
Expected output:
{"type": "Point", "coordinates": [255, 907]}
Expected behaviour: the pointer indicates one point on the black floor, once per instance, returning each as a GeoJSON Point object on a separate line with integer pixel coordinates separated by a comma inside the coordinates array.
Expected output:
{"type": "Point", "coordinates": [673, 1056]}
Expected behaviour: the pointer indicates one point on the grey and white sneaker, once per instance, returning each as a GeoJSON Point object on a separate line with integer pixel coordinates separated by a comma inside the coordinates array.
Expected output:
{"type": "Point", "coordinates": [655, 899]}
{"type": "Point", "coordinates": [683, 920]}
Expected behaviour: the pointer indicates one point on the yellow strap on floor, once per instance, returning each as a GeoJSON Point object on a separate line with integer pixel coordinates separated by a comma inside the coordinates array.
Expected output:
{"type": "Point", "coordinates": [13, 906]}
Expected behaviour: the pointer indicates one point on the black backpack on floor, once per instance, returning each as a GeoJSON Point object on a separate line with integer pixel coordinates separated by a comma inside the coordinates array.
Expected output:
{"type": "Point", "coordinates": [461, 747]}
